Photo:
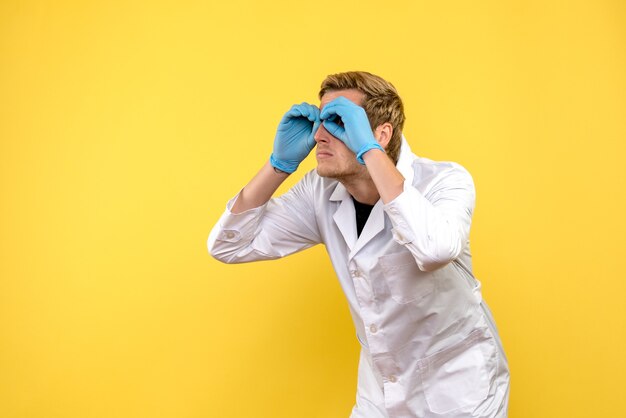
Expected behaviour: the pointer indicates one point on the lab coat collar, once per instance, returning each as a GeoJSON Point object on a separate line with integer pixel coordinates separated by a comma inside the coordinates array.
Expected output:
{"type": "Point", "coordinates": [405, 161]}
{"type": "Point", "coordinates": [345, 216]}
{"type": "Point", "coordinates": [340, 193]}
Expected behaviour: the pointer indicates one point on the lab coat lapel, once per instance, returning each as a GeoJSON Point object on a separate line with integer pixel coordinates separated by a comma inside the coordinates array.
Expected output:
{"type": "Point", "coordinates": [375, 223]}
{"type": "Point", "coordinates": [345, 216]}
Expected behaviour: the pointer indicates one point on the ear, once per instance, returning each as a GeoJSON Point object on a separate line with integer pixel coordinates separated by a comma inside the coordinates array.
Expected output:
{"type": "Point", "coordinates": [383, 134]}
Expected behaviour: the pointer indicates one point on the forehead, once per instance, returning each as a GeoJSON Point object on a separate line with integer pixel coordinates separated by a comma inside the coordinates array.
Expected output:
{"type": "Point", "coordinates": [352, 94]}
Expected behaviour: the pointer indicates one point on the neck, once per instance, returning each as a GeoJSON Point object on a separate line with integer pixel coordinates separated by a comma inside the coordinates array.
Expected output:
{"type": "Point", "coordinates": [362, 189]}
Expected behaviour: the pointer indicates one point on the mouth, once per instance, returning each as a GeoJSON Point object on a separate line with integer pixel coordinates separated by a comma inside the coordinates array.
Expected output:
{"type": "Point", "coordinates": [323, 154]}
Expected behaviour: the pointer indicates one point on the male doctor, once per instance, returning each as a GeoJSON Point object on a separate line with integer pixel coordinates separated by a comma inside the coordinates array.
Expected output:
{"type": "Point", "coordinates": [396, 228]}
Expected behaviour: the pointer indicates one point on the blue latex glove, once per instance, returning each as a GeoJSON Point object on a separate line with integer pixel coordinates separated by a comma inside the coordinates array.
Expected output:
{"type": "Point", "coordinates": [294, 137]}
{"type": "Point", "coordinates": [356, 131]}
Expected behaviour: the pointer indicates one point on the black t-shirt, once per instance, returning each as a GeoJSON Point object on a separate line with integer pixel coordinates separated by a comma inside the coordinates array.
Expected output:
{"type": "Point", "coordinates": [362, 213]}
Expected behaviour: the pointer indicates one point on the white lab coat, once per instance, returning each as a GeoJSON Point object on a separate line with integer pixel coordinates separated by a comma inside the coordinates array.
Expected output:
{"type": "Point", "coordinates": [426, 335]}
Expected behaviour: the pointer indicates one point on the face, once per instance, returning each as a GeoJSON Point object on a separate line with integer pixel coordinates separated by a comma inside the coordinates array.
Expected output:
{"type": "Point", "coordinates": [334, 158]}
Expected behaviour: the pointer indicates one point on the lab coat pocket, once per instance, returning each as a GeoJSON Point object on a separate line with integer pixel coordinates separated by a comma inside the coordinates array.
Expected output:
{"type": "Point", "coordinates": [460, 376]}
{"type": "Point", "coordinates": [407, 283]}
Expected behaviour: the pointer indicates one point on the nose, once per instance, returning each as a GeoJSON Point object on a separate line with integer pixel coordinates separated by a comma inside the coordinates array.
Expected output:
{"type": "Point", "coordinates": [322, 135]}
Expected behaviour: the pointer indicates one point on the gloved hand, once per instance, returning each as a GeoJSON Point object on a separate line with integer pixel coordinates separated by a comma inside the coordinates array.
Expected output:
{"type": "Point", "coordinates": [356, 132]}
{"type": "Point", "coordinates": [294, 137]}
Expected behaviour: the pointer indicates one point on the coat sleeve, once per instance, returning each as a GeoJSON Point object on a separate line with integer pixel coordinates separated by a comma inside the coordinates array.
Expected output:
{"type": "Point", "coordinates": [282, 226]}
{"type": "Point", "coordinates": [433, 220]}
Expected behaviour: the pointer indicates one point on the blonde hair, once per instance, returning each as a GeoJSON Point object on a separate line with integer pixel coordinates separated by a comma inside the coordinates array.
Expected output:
{"type": "Point", "coordinates": [381, 102]}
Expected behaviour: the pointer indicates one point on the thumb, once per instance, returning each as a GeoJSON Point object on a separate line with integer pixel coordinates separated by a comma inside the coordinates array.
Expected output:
{"type": "Point", "coordinates": [334, 129]}
{"type": "Point", "coordinates": [311, 138]}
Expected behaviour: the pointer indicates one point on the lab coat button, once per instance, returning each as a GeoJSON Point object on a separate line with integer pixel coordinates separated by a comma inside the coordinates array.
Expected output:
{"type": "Point", "coordinates": [355, 273]}
{"type": "Point", "coordinates": [230, 235]}
{"type": "Point", "coordinates": [393, 379]}
{"type": "Point", "coordinates": [373, 329]}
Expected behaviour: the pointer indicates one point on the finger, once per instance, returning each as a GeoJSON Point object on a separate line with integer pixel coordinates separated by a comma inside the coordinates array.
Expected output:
{"type": "Point", "coordinates": [339, 105]}
{"type": "Point", "coordinates": [334, 129]}
{"type": "Point", "coordinates": [333, 117]}
{"type": "Point", "coordinates": [313, 113]}
{"type": "Point", "coordinates": [327, 112]}
{"type": "Point", "coordinates": [296, 111]}
{"type": "Point", "coordinates": [309, 111]}
{"type": "Point", "coordinates": [305, 110]}
{"type": "Point", "coordinates": [333, 108]}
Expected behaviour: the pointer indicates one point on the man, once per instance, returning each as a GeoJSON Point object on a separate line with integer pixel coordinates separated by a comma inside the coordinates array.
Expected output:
{"type": "Point", "coordinates": [396, 229]}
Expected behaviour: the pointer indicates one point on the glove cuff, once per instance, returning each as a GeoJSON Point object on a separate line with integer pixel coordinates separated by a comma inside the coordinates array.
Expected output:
{"type": "Point", "coordinates": [287, 167]}
{"type": "Point", "coordinates": [373, 145]}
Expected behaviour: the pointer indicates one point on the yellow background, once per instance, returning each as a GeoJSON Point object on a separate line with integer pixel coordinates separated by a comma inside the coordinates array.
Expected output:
{"type": "Point", "coordinates": [126, 125]}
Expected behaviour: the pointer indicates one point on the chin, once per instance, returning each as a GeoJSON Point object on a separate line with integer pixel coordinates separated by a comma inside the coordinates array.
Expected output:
{"type": "Point", "coordinates": [323, 172]}
{"type": "Point", "coordinates": [333, 173]}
